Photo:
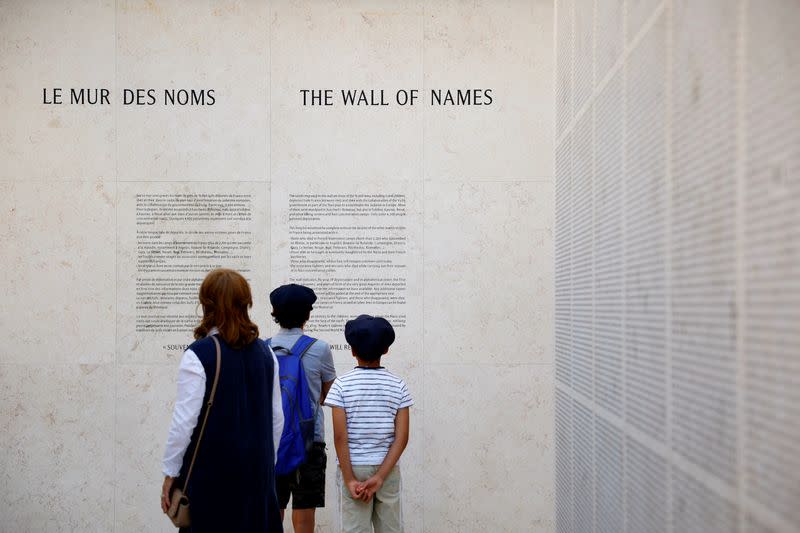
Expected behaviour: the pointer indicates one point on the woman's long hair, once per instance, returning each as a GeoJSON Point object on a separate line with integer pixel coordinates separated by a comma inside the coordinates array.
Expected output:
{"type": "Point", "coordinates": [225, 297]}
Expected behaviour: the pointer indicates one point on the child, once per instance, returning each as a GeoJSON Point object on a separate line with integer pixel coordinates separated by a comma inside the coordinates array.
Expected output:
{"type": "Point", "coordinates": [370, 431]}
{"type": "Point", "coordinates": [291, 308]}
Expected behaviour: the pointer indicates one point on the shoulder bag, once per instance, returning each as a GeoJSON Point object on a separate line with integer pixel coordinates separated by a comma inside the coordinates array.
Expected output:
{"type": "Point", "coordinates": [179, 504]}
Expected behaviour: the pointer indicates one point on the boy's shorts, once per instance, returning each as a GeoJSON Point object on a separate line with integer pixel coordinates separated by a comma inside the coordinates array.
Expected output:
{"type": "Point", "coordinates": [306, 485]}
{"type": "Point", "coordinates": [384, 512]}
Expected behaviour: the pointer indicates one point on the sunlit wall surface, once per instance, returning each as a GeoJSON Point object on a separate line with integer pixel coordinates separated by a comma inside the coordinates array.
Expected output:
{"type": "Point", "coordinates": [91, 196]}
{"type": "Point", "coordinates": [678, 266]}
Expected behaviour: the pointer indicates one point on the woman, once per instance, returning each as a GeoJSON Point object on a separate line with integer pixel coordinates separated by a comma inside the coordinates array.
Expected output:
{"type": "Point", "coordinates": [232, 486]}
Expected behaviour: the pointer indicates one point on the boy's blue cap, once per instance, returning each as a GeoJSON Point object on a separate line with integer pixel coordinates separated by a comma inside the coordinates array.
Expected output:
{"type": "Point", "coordinates": [370, 336]}
{"type": "Point", "coordinates": [292, 296]}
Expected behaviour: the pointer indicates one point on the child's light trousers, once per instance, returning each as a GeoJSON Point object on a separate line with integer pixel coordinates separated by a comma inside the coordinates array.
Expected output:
{"type": "Point", "coordinates": [384, 512]}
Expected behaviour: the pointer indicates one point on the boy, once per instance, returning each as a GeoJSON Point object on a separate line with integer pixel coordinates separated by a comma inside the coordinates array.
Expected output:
{"type": "Point", "coordinates": [291, 308]}
{"type": "Point", "coordinates": [370, 431]}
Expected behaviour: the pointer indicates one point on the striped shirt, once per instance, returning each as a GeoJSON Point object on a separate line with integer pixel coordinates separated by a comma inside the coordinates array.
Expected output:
{"type": "Point", "coordinates": [370, 398]}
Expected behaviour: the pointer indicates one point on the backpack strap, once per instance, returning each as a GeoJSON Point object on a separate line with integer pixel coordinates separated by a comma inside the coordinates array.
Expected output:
{"type": "Point", "coordinates": [302, 345]}
{"type": "Point", "coordinates": [275, 349]}
{"type": "Point", "coordinates": [300, 348]}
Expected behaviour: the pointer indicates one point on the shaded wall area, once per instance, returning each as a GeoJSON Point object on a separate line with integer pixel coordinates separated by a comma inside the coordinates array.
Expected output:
{"type": "Point", "coordinates": [677, 266]}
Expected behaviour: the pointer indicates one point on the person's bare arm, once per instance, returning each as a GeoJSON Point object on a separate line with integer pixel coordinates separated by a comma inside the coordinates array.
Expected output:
{"type": "Point", "coordinates": [342, 446]}
{"type": "Point", "coordinates": [326, 386]}
{"type": "Point", "coordinates": [401, 430]}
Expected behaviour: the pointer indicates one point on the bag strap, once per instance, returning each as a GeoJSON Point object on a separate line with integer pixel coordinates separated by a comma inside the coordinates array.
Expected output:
{"type": "Point", "coordinates": [302, 345]}
{"type": "Point", "coordinates": [268, 342]}
{"type": "Point", "coordinates": [205, 418]}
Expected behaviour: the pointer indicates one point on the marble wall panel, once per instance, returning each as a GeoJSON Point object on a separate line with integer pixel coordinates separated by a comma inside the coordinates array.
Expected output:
{"type": "Point", "coordinates": [562, 251]}
{"type": "Point", "coordinates": [646, 487]}
{"type": "Point", "coordinates": [413, 466]}
{"type": "Point", "coordinates": [294, 265]}
{"type": "Point", "coordinates": [489, 272]}
{"type": "Point", "coordinates": [773, 257]}
{"type": "Point", "coordinates": [564, 61]}
{"type": "Point", "coordinates": [144, 395]}
{"type": "Point", "coordinates": [583, 53]}
{"type": "Point", "coordinates": [41, 141]}
{"type": "Point", "coordinates": [646, 208]}
{"type": "Point", "coordinates": [56, 433]}
{"type": "Point", "coordinates": [352, 45]}
{"type": "Point", "coordinates": [699, 510]}
{"type": "Point", "coordinates": [219, 46]}
{"type": "Point", "coordinates": [703, 262]}
{"type": "Point", "coordinates": [505, 46]}
{"type": "Point", "coordinates": [484, 472]}
{"type": "Point", "coordinates": [609, 39]}
{"type": "Point", "coordinates": [58, 283]}
{"type": "Point", "coordinates": [143, 341]}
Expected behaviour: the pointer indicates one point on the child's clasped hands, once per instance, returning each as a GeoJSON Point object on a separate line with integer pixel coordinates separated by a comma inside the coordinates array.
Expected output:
{"type": "Point", "coordinates": [365, 490]}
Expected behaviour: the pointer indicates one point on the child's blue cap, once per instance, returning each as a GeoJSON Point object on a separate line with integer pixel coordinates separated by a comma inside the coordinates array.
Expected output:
{"type": "Point", "coordinates": [370, 336]}
{"type": "Point", "coordinates": [292, 296]}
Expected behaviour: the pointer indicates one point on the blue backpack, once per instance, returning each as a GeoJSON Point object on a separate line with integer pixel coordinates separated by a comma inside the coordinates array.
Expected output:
{"type": "Point", "coordinates": [298, 414]}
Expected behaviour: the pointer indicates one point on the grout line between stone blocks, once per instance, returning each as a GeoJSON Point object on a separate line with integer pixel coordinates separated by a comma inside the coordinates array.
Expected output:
{"type": "Point", "coordinates": [422, 254]}
{"type": "Point", "coordinates": [116, 273]}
